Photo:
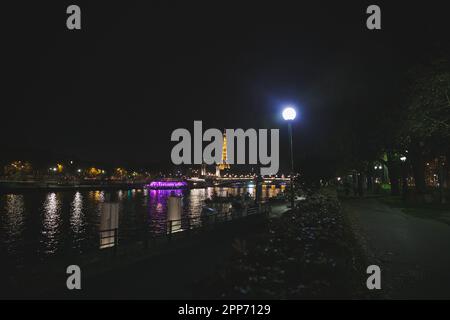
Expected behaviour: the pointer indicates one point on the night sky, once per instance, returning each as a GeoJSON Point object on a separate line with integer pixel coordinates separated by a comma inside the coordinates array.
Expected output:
{"type": "Point", "coordinates": [115, 90]}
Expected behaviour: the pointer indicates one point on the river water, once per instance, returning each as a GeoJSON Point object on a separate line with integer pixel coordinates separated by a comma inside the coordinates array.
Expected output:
{"type": "Point", "coordinates": [35, 225]}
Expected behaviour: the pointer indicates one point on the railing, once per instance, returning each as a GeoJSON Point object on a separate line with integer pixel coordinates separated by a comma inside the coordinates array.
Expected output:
{"type": "Point", "coordinates": [108, 240]}
{"type": "Point", "coordinates": [166, 230]}
{"type": "Point", "coordinates": [204, 221]}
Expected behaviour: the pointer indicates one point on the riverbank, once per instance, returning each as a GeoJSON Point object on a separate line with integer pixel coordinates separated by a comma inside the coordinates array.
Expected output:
{"type": "Point", "coordinates": [24, 186]}
{"type": "Point", "coordinates": [305, 254]}
{"type": "Point", "coordinates": [166, 270]}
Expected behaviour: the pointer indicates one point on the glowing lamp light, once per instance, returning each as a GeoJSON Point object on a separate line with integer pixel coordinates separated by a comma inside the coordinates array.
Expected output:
{"type": "Point", "coordinates": [289, 113]}
{"type": "Point", "coordinates": [403, 158]}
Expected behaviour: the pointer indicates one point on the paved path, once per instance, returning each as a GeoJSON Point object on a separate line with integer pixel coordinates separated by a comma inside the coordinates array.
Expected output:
{"type": "Point", "coordinates": [413, 253]}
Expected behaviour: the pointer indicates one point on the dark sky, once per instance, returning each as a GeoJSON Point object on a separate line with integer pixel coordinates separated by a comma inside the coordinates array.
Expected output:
{"type": "Point", "coordinates": [115, 90]}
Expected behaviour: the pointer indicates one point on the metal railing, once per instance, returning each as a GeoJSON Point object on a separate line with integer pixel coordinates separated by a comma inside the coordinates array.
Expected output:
{"type": "Point", "coordinates": [109, 238]}
{"type": "Point", "coordinates": [204, 221]}
{"type": "Point", "coordinates": [165, 230]}
{"type": "Point", "coordinates": [111, 241]}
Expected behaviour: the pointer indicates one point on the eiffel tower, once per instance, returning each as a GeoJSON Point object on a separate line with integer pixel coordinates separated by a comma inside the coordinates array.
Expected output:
{"type": "Point", "coordinates": [223, 165]}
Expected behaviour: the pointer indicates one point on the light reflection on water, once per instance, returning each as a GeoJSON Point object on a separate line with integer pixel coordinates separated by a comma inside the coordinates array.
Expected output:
{"type": "Point", "coordinates": [77, 218]}
{"type": "Point", "coordinates": [37, 224]}
{"type": "Point", "coordinates": [51, 225]}
{"type": "Point", "coordinates": [76, 213]}
{"type": "Point", "coordinates": [13, 218]}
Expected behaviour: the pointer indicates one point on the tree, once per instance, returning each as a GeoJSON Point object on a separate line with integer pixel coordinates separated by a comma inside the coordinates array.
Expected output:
{"type": "Point", "coordinates": [18, 169]}
{"type": "Point", "coordinates": [426, 128]}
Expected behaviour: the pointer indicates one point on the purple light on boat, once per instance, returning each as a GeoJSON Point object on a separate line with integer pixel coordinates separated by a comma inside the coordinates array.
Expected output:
{"type": "Point", "coordinates": [167, 184]}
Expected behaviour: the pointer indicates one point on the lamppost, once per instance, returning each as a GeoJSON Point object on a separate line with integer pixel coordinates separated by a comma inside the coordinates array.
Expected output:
{"type": "Point", "coordinates": [404, 177]}
{"type": "Point", "coordinates": [289, 115]}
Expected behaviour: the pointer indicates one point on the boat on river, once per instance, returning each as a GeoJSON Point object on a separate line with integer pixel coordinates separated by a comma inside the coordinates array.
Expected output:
{"type": "Point", "coordinates": [167, 184]}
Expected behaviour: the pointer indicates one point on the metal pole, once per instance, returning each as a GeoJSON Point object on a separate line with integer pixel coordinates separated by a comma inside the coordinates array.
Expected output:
{"type": "Point", "coordinates": [170, 230]}
{"type": "Point", "coordinates": [116, 240]}
{"type": "Point", "coordinates": [292, 166]}
{"type": "Point", "coordinates": [441, 180]}
{"type": "Point", "coordinates": [404, 180]}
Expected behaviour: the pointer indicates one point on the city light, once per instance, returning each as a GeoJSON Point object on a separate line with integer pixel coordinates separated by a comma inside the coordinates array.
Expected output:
{"type": "Point", "coordinates": [289, 113]}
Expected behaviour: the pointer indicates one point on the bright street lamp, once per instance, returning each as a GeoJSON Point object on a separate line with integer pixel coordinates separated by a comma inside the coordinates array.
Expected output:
{"type": "Point", "coordinates": [289, 114]}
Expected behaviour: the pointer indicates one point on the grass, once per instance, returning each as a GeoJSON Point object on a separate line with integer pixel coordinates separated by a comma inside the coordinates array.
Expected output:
{"type": "Point", "coordinates": [436, 211]}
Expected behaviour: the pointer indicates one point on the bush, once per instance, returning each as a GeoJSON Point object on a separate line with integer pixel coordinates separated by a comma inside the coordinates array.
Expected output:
{"type": "Point", "coordinates": [303, 254]}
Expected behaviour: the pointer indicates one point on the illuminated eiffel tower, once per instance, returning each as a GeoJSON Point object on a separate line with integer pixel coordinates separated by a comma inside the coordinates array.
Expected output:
{"type": "Point", "coordinates": [223, 165]}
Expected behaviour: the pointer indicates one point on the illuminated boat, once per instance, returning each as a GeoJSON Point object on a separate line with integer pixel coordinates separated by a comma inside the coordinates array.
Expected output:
{"type": "Point", "coordinates": [167, 184]}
